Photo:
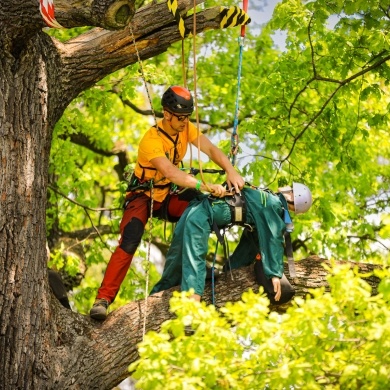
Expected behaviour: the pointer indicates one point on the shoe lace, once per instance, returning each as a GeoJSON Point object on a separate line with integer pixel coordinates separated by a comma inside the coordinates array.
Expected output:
{"type": "Point", "coordinates": [101, 302]}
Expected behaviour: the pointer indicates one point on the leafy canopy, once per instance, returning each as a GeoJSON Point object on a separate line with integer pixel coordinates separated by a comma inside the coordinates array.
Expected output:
{"type": "Point", "coordinates": [315, 112]}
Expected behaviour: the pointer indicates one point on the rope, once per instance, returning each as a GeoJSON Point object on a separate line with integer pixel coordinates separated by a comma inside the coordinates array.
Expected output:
{"type": "Point", "coordinates": [143, 74]}
{"type": "Point", "coordinates": [213, 275]}
{"type": "Point", "coordinates": [148, 258]}
{"type": "Point", "coordinates": [147, 271]}
{"type": "Point", "coordinates": [183, 68]}
{"type": "Point", "coordinates": [234, 137]}
{"type": "Point", "coordinates": [196, 100]}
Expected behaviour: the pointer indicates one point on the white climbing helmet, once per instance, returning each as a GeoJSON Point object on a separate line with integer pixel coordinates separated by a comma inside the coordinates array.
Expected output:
{"type": "Point", "coordinates": [302, 198]}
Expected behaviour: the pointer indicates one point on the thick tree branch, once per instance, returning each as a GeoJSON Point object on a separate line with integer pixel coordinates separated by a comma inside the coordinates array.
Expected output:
{"type": "Point", "coordinates": [23, 17]}
{"type": "Point", "coordinates": [119, 335]}
{"type": "Point", "coordinates": [97, 53]}
{"type": "Point", "coordinates": [108, 14]}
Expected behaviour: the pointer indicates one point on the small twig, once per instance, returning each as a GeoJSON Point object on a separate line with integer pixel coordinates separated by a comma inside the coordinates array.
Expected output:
{"type": "Point", "coordinates": [367, 237]}
{"type": "Point", "coordinates": [79, 204]}
{"type": "Point", "coordinates": [97, 231]}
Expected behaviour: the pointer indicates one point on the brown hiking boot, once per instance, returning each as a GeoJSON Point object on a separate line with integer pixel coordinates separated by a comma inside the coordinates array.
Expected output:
{"type": "Point", "coordinates": [99, 309]}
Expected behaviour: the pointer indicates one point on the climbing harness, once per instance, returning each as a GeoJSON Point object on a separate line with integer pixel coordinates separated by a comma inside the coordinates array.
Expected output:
{"type": "Point", "coordinates": [237, 208]}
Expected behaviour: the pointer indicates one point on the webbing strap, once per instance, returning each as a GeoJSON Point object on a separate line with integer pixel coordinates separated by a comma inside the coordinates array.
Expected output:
{"type": "Point", "coordinates": [233, 16]}
{"type": "Point", "coordinates": [230, 17]}
{"type": "Point", "coordinates": [213, 275]}
{"type": "Point", "coordinates": [173, 8]}
{"type": "Point", "coordinates": [290, 255]}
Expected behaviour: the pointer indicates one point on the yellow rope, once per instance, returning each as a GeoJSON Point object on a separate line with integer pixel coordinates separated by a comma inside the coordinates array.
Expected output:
{"type": "Point", "coordinates": [143, 74]}
{"type": "Point", "coordinates": [148, 261]}
{"type": "Point", "coordinates": [196, 100]}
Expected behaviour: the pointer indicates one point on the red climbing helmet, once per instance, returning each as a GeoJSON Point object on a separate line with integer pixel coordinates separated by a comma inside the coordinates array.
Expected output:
{"type": "Point", "coordinates": [178, 100]}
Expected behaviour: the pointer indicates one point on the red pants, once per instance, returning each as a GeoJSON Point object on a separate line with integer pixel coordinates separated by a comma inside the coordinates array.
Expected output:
{"type": "Point", "coordinates": [132, 227]}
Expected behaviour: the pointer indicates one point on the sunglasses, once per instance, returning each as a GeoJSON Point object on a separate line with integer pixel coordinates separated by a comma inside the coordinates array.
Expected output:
{"type": "Point", "coordinates": [181, 118]}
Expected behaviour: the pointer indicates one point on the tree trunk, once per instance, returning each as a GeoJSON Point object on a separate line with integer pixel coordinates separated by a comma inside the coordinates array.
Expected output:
{"type": "Point", "coordinates": [42, 346]}
{"type": "Point", "coordinates": [97, 355]}
{"type": "Point", "coordinates": [26, 127]}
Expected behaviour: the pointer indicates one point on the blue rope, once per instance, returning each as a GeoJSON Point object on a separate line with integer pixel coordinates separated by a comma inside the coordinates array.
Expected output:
{"type": "Point", "coordinates": [213, 276]}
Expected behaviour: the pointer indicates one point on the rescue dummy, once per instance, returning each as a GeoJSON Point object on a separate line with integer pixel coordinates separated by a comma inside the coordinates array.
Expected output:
{"type": "Point", "coordinates": [265, 214]}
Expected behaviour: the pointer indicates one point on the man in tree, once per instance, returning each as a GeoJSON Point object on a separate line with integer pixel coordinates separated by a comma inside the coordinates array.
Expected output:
{"type": "Point", "coordinates": [160, 152]}
{"type": "Point", "coordinates": [266, 216]}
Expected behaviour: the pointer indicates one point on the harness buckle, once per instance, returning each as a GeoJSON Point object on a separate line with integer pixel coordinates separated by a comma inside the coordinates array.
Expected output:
{"type": "Point", "coordinates": [237, 207]}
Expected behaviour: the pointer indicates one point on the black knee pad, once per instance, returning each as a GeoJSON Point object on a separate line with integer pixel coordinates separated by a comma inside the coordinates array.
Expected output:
{"type": "Point", "coordinates": [132, 234]}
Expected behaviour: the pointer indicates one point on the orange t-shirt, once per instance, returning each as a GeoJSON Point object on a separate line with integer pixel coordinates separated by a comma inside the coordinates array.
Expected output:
{"type": "Point", "coordinates": [157, 143]}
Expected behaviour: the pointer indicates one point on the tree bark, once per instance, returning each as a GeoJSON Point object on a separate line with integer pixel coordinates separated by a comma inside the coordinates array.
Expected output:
{"type": "Point", "coordinates": [25, 146]}
{"type": "Point", "coordinates": [42, 346]}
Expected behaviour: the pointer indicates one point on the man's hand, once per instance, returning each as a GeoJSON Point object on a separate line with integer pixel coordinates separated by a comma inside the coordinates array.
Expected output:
{"type": "Point", "coordinates": [235, 180]}
{"type": "Point", "coordinates": [277, 287]}
{"type": "Point", "coordinates": [217, 190]}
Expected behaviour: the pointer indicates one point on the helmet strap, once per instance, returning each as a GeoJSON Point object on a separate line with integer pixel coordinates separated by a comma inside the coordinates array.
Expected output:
{"type": "Point", "coordinates": [170, 119]}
